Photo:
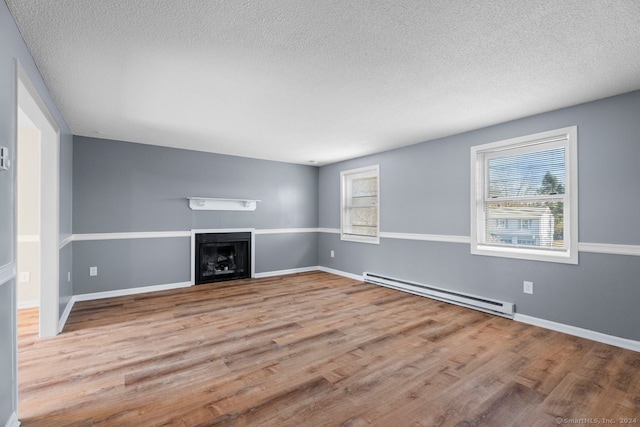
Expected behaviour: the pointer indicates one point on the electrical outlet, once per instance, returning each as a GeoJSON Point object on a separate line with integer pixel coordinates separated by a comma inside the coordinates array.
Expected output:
{"type": "Point", "coordinates": [68, 276]}
{"type": "Point", "coordinates": [93, 271]}
{"type": "Point", "coordinates": [528, 287]}
{"type": "Point", "coordinates": [5, 162]}
{"type": "Point", "coordinates": [25, 277]}
{"type": "Point", "coordinates": [333, 254]}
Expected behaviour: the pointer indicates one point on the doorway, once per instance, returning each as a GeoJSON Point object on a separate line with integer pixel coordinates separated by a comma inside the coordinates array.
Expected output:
{"type": "Point", "coordinates": [45, 180]}
{"type": "Point", "coordinates": [28, 212]}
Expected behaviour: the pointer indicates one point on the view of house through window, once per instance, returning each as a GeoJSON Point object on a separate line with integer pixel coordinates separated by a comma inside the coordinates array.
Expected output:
{"type": "Point", "coordinates": [525, 199]}
{"type": "Point", "coordinates": [359, 202]}
{"type": "Point", "coordinates": [522, 197]}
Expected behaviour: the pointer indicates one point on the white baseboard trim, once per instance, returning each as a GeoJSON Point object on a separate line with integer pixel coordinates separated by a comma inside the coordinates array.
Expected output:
{"type": "Point", "coordinates": [28, 304]}
{"type": "Point", "coordinates": [341, 273]}
{"type": "Point", "coordinates": [307, 269]}
{"type": "Point", "coordinates": [523, 318]}
{"type": "Point", "coordinates": [132, 291]}
{"type": "Point", "coordinates": [285, 272]}
{"type": "Point", "coordinates": [65, 314]}
{"type": "Point", "coordinates": [579, 332]}
{"type": "Point", "coordinates": [111, 294]}
{"type": "Point", "coordinates": [13, 421]}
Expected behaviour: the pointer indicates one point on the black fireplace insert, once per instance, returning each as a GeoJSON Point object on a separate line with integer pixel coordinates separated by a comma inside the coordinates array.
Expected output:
{"type": "Point", "coordinates": [222, 256]}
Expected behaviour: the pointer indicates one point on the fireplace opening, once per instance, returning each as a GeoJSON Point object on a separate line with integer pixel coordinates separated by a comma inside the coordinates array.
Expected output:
{"type": "Point", "coordinates": [222, 256]}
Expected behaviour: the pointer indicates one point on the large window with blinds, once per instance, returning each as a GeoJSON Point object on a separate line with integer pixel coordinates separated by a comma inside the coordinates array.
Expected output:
{"type": "Point", "coordinates": [360, 199]}
{"type": "Point", "coordinates": [524, 197]}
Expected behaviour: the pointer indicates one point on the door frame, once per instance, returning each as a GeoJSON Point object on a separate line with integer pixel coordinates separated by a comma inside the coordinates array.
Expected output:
{"type": "Point", "coordinates": [28, 98]}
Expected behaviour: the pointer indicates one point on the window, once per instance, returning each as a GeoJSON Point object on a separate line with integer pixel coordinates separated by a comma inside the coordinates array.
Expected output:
{"type": "Point", "coordinates": [525, 224]}
{"type": "Point", "coordinates": [359, 204]}
{"type": "Point", "coordinates": [530, 182]}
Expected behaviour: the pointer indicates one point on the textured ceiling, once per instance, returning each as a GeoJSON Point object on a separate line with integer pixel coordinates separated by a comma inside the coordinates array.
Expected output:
{"type": "Point", "coordinates": [301, 80]}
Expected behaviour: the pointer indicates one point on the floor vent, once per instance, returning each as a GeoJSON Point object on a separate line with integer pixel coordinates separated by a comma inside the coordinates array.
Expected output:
{"type": "Point", "coordinates": [487, 305]}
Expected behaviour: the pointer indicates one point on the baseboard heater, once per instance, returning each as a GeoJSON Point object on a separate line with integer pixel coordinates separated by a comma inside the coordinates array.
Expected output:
{"type": "Point", "coordinates": [487, 305]}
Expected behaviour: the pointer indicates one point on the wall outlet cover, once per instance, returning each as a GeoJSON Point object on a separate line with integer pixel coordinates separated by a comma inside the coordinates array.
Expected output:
{"type": "Point", "coordinates": [528, 287]}
{"type": "Point", "coordinates": [93, 271]}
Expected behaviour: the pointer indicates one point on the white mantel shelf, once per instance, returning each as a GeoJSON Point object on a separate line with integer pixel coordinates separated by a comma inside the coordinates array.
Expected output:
{"type": "Point", "coordinates": [215, 204]}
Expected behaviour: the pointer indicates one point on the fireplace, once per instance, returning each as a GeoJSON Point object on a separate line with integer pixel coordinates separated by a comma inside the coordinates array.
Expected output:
{"type": "Point", "coordinates": [222, 256]}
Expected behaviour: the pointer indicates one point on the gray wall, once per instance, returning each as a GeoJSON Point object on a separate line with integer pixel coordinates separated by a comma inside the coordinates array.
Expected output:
{"type": "Point", "coordinates": [12, 47]}
{"type": "Point", "coordinates": [126, 187]}
{"type": "Point", "coordinates": [66, 285]}
{"type": "Point", "coordinates": [425, 189]}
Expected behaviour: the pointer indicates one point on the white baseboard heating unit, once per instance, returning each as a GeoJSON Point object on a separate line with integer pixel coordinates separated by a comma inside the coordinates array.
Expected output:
{"type": "Point", "coordinates": [476, 302]}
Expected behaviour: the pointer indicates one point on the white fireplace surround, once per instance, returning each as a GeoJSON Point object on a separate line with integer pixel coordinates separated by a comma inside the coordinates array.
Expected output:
{"type": "Point", "coordinates": [222, 230]}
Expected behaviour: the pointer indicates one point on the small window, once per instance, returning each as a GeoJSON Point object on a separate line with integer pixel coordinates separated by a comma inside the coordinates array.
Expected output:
{"type": "Point", "coordinates": [359, 205]}
{"type": "Point", "coordinates": [525, 224]}
{"type": "Point", "coordinates": [530, 182]}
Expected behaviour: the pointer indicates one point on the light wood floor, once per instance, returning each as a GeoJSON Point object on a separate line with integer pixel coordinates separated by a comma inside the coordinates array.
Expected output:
{"type": "Point", "coordinates": [311, 349]}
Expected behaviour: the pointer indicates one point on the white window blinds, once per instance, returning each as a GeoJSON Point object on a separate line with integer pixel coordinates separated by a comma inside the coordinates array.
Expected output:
{"type": "Point", "coordinates": [360, 205]}
{"type": "Point", "coordinates": [525, 197]}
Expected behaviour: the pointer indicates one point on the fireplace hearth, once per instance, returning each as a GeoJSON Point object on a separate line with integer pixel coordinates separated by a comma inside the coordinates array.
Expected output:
{"type": "Point", "coordinates": [222, 256]}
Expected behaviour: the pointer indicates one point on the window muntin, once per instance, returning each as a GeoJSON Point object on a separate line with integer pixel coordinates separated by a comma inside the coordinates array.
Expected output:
{"type": "Point", "coordinates": [360, 204]}
{"type": "Point", "coordinates": [524, 197]}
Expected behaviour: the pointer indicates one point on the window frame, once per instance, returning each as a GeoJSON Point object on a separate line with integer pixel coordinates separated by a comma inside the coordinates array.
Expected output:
{"type": "Point", "coordinates": [564, 137]}
{"type": "Point", "coordinates": [345, 195]}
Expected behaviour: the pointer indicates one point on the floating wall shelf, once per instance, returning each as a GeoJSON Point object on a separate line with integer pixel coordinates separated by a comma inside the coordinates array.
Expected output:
{"type": "Point", "coordinates": [213, 204]}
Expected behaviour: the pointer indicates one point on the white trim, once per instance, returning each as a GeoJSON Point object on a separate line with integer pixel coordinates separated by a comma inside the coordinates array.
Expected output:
{"type": "Point", "coordinates": [29, 238]}
{"type": "Point", "coordinates": [131, 235]}
{"type": "Point", "coordinates": [609, 248]}
{"type": "Point", "coordinates": [7, 272]}
{"type": "Point", "coordinates": [602, 248]}
{"type": "Point", "coordinates": [30, 101]}
{"type": "Point", "coordinates": [286, 230]}
{"type": "Point", "coordinates": [579, 332]}
{"type": "Point", "coordinates": [346, 177]}
{"type": "Point", "coordinates": [286, 272]}
{"type": "Point", "coordinates": [426, 237]}
{"type": "Point", "coordinates": [566, 138]}
{"type": "Point", "coordinates": [357, 277]}
{"type": "Point", "coordinates": [130, 291]}
{"type": "Point", "coordinates": [28, 304]}
{"type": "Point", "coordinates": [66, 313]}
{"type": "Point", "coordinates": [13, 421]}
{"type": "Point", "coordinates": [64, 242]}
{"type": "Point", "coordinates": [329, 230]}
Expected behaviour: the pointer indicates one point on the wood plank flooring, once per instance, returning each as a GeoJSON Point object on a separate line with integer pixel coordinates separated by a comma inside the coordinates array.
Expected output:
{"type": "Point", "coordinates": [312, 349]}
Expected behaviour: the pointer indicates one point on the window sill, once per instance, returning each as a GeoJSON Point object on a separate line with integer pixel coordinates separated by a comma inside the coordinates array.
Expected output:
{"type": "Point", "coordinates": [565, 257]}
{"type": "Point", "coordinates": [360, 239]}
